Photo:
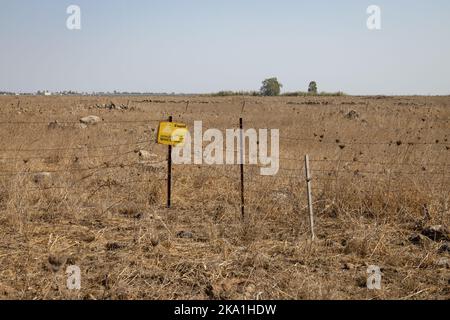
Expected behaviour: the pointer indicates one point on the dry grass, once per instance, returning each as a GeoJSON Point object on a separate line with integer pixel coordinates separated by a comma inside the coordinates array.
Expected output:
{"type": "Point", "coordinates": [111, 221]}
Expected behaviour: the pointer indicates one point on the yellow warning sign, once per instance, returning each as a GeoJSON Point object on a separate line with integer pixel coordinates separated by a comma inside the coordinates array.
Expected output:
{"type": "Point", "coordinates": [172, 133]}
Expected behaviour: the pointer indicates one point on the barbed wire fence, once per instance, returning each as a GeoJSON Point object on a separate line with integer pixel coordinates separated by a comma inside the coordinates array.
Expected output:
{"type": "Point", "coordinates": [306, 175]}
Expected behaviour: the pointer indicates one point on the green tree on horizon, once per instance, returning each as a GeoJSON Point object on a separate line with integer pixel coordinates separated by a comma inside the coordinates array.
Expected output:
{"type": "Point", "coordinates": [312, 88]}
{"type": "Point", "coordinates": [271, 87]}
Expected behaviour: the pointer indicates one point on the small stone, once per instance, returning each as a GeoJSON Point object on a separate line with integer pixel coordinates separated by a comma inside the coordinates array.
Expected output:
{"type": "Point", "coordinates": [280, 195]}
{"type": "Point", "coordinates": [352, 115]}
{"type": "Point", "coordinates": [436, 233]}
{"type": "Point", "coordinates": [42, 177]}
{"type": "Point", "coordinates": [250, 291]}
{"type": "Point", "coordinates": [444, 263]}
{"type": "Point", "coordinates": [90, 120]}
{"type": "Point", "coordinates": [185, 235]}
{"type": "Point", "coordinates": [154, 240]}
{"type": "Point", "coordinates": [348, 266]}
{"type": "Point", "coordinates": [56, 263]}
{"type": "Point", "coordinates": [444, 248]}
{"type": "Point", "coordinates": [146, 155]}
{"type": "Point", "coordinates": [418, 239]}
{"type": "Point", "coordinates": [112, 246]}
{"type": "Point", "coordinates": [54, 125]}
{"type": "Point", "coordinates": [88, 237]}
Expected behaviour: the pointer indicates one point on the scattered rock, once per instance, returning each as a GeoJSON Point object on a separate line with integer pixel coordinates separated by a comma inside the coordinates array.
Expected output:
{"type": "Point", "coordinates": [112, 106]}
{"type": "Point", "coordinates": [90, 120]}
{"type": "Point", "coordinates": [352, 115]}
{"type": "Point", "coordinates": [132, 214]}
{"type": "Point", "coordinates": [146, 155]}
{"type": "Point", "coordinates": [7, 291]}
{"type": "Point", "coordinates": [55, 263]}
{"type": "Point", "coordinates": [112, 246]}
{"type": "Point", "coordinates": [280, 195]}
{"type": "Point", "coordinates": [55, 125]}
{"type": "Point", "coordinates": [87, 237]}
{"type": "Point", "coordinates": [153, 216]}
{"type": "Point", "coordinates": [185, 235]}
{"type": "Point", "coordinates": [154, 240]}
{"type": "Point", "coordinates": [356, 246]}
{"type": "Point", "coordinates": [436, 233]}
{"type": "Point", "coordinates": [249, 291]}
{"type": "Point", "coordinates": [225, 289]}
{"type": "Point", "coordinates": [443, 263]}
{"type": "Point", "coordinates": [361, 281]}
{"type": "Point", "coordinates": [444, 248]}
{"type": "Point", "coordinates": [418, 239]}
{"type": "Point", "coordinates": [348, 266]}
{"type": "Point", "coordinates": [311, 103]}
{"type": "Point", "coordinates": [131, 211]}
{"type": "Point", "coordinates": [42, 177]}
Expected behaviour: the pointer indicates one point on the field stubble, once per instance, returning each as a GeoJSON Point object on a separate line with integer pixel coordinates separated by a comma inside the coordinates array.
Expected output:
{"type": "Point", "coordinates": [87, 196]}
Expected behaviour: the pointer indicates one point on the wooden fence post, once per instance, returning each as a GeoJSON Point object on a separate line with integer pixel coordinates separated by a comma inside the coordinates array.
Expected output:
{"type": "Point", "coordinates": [309, 193]}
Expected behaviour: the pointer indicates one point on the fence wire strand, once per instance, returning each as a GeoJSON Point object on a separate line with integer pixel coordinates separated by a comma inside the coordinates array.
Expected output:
{"type": "Point", "coordinates": [286, 176]}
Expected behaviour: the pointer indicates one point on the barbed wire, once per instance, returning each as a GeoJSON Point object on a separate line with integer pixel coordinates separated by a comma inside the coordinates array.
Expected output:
{"type": "Point", "coordinates": [433, 164]}
{"type": "Point", "coordinates": [59, 157]}
{"type": "Point", "coordinates": [387, 190]}
{"type": "Point", "coordinates": [78, 147]}
{"type": "Point", "coordinates": [56, 121]}
{"type": "Point", "coordinates": [287, 174]}
{"type": "Point", "coordinates": [248, 187]}
{"type": "Point", "coordinates": [105, 166]}
{"type": "Point", "coordinates": [76, 187]}
{"type": "Point", "coordinates": [344, 160]}
{"type": "Point", "coordinates": [347, 161]}
{"type": "Point", "coordinates": [338, 142]}
{"type": "Point", "coordinates": [14, 173]}
{"type": "Point", "coordinates": [299, 169]}
{"type": "Point", "coordinates": [379, 172]}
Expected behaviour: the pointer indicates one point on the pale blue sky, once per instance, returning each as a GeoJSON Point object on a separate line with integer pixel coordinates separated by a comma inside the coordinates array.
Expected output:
{"type": "Point", "coordinates": [208, 45]}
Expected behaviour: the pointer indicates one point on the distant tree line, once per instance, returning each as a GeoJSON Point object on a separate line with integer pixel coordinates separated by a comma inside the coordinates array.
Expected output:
{"type": "Point", "coordinates": [272, 87]}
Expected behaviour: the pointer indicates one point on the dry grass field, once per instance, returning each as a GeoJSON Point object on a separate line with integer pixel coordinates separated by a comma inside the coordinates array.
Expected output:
{"type": "Point", "coordinates": [85, 195]}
